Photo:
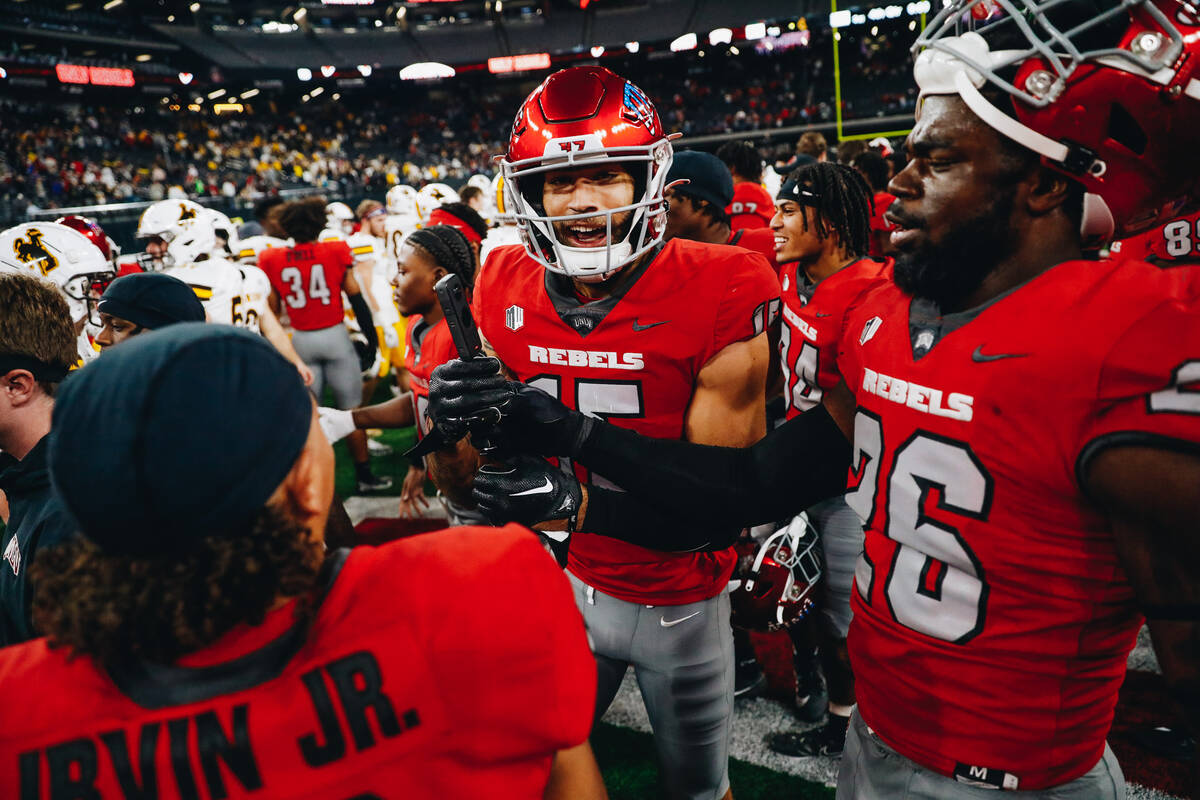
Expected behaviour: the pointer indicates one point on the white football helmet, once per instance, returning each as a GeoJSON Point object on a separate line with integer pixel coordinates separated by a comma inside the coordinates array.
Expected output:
{"type": "Point", "coordinates": [60, 255]}
{"type": "Point", "coordinates": [339, 217]}
{"type": "Point", "coordinates": [184, 225]}
{"type": "Point", "coordinates": [224, 228]}
{"type": "Point", "coordinates": [401, 200]}
{"type": "Point", "coordinates": [433, 195]}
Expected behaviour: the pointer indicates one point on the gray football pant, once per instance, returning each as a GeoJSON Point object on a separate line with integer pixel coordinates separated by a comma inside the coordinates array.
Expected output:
{"type": "Point", "coordinates": [331, 357]}
{"type": "Point", "coordinates": [871, 770]}
{"type": "Point", "coordinates": [683, 659]}
{"type": "Point", "coordinates": [841, 542]}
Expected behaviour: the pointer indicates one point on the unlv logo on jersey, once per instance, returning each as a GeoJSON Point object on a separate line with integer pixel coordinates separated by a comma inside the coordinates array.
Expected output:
{"type": "Point", "coordinates": [514, 318]}
{"type": "Point", "coordinates": [31, 250]}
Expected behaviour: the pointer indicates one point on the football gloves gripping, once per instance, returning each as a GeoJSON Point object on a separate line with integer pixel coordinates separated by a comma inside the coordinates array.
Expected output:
{"type": "Point", "coordinates": [535, 493]}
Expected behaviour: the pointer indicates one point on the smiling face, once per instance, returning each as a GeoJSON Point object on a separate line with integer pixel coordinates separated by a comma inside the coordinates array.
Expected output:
{"type": "Point", "coordinates": [955, 203]}
{"type": "Point", "coordinates": [796, 237]}
{"type": "Point", "coordinates": [585, 190]}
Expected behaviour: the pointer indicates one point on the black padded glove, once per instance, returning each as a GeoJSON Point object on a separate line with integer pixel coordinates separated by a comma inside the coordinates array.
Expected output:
{"type": "Point", "coordinates": [463, 393]}
{"type": "Point", "coordinates": [530, 490]}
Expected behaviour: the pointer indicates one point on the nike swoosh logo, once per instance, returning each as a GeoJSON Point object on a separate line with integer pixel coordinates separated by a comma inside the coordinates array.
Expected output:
{"type": "Point", "coordinates": [544, 489]}
{"type": "Point", "coordinates": [663, 620]}
{"type": "Point", "coordinates": [819, 314]}
{"type": "Point", "coordinates": [637, 327]}
{"type": "Point", "coordinates": [981, 357]}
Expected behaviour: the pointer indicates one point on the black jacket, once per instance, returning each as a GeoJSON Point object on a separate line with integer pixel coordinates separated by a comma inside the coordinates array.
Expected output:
{"type": "Point", "coordinates": [37, 518]}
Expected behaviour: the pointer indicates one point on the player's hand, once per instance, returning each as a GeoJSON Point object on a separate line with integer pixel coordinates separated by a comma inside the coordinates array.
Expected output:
{"type": "Point", "coordinates": [335, 423]}
{"type": "Point", "coordinates": [390, 338]}
{"type": "Point", "coordinates": [306, 374]}
{"type": "Point", "coordinates": [533, 492]}
{"type": "Point", "coordinates": [412, 494]}
{"type": "Point", "coordinates": [463, 393]}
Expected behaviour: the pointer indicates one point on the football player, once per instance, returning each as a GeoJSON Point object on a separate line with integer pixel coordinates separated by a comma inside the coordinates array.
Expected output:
{"type": "Point", "coordinates": [431, 196]}
{"type": "Point", "coordinates": [68, 259]}
{"type": "Point", "coordinates": [425, 257]}
{"type": "Point", "coordinates": [1027, 432]}
{"type": "Point", "coordinates": [159, 224]}
{"type": "Point", "coordinates": [505, 230]}
{"type": "Point", "coordinates": [751, 206]}
{"type": "Point", "coordinates": [374, 267]}
{"type": "Point", "coordinates": [821, 230]}
{"type": "Point", "coordinates": [232, 293]}
{"type": "Point", "coordinates": [339, 222]}
{"type": "Point", "coordinates": [311, 277]}
{"type": "Point", "coordinates": [667, 339]}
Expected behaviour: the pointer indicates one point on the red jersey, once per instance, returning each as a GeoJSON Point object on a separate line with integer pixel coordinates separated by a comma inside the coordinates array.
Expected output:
{"type": "Point", "coordinates": [880, 227]}
{"type": "Point", "coordinates": [1178, 240]}
{"type": "Point", "coordinates": [813, 317]}
{"type": "Point", "coordinates": [752, 206]}
{"type": "Point", "coordinates": [993, 618]}
{"type": "Point", "coordinates": [631, 359]}
{"type": "Point", "coordinates": [308, 277]}
{"type": "Point", "coordinates": [381, 697]}
{"type": "Point", "coordinates": [428, 347]}
{"type": "Point", "coordinates": [760, 240]}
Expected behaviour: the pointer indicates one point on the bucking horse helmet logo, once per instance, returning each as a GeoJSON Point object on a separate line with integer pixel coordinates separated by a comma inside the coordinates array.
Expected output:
{"type": "Point", "coordinates": [29, 249]}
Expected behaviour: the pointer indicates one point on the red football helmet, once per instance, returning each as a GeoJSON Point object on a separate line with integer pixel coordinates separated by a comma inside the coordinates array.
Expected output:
{"type": "Point", "coordinates": [772, 587]}
{"type": "Point", "coordinates": [1107, 92]}
{"type": "Point", "coordinates": [95, 234]}
{"type": "Point", "coordinates": [584, 116]}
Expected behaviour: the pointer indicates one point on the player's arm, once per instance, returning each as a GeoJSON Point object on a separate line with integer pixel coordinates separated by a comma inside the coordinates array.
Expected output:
{"type": "Point", "coordinates": [273, 332]}
{"type": "Point", "coordinates": [575, 776]}
{"type": "Point", "coordinates": [358, 303]}
{"type": "Point", "coordinates": [362, 273]}
{"type": "Point", "coordinates": [728, 408]}
{"type": "Point", "coordinates": [1152, 497]}
{"type": "Point", "coordinates": [273, 301]}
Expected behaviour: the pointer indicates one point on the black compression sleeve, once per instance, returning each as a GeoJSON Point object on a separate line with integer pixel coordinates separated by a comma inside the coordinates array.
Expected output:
{"type": "Point", "coordinates": [627, 517]}
{"type": "Point", "coordinates": [792, 467]}
{"type": "Point", "coordinates": [362, 313]}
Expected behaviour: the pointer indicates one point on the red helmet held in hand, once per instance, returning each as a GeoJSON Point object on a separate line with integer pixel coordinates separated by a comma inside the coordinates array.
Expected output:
{"type": "Point", "coordinates": [773, 584]}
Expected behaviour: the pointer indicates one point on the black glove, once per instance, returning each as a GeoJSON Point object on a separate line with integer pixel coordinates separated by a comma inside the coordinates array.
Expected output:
{"type": "Point", "coordinates": [531, 421]}
{"type": "Point", "coordinates": [530, 491]}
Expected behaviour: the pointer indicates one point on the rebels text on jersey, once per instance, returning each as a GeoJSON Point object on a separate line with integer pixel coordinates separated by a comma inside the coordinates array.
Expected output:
{"type": "Point", "coordinates": [308, 279]}
{"type": "Point", "coordinates": [813, 316]}
{"type": "Point", "coordinates": [992, 616]}
{"type": "Point", "coordinates": [428, 347]}
{"type": "Point", "coordinates": [631, 359]}
{"type": "Point", "coordinates": [378, 697]}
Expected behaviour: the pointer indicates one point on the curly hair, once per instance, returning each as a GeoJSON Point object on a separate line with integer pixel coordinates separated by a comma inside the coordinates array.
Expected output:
{"type": "Point", "coordinates": [303, 220]}
{"type": "Point", "coordinates": [743, 160]}
{"type": "Point", "coordinates": [164, 606]}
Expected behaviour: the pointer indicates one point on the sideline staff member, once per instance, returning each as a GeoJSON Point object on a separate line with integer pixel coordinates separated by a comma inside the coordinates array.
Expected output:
{"type": "Point", "coordinates": [199, 634]}
{"type": "Point", "coordinates": [37, 347]}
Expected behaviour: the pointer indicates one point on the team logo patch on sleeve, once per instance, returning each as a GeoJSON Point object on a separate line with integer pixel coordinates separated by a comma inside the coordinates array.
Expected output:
{"type": "Point", "coordinates": [514, 318]}
{"type": "Point", "coordinates": [12, 554]}
{"type": "Point", "coordinates": [870, 329]}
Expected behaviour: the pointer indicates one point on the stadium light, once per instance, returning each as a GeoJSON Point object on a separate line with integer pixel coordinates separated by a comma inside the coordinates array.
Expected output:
{"type": "Point", "coordinates": [499, 6]}
{"type": "Point", "coordinates": [3, 73]}
{"type": "Point", "coordinates": [773, 30]}
{"type": "Point", "coordinates": [111, 4]}
{"type": "Point", "coordinates": [170, 18]}
{"type": "Point", "coordinates": [597, 51]}
{"type": "Point", "coordinates": [194, 7]}
{"type": "Point", "coordinates": [720, 36]}
{"type": "Point", "coordinates": [143, 57]}
{"type": "Point", "coordinates": [327, 70]}
{"type": "Point", "coordinates": [526, 61]}
{"type": "Point", "coordinates": [246, 95]}
{"type": "Point", "coordinates": [839, 19]}
{"type": "Point", "coordinates": [185, 78]}
{"type": "Point", "coordinates": [300, 15]}
{"type": "Point", "coordinates": [304, 73]}
{"type": "Point", "coordinates": [686, 42]}
{"type": "Point", "coordinates": [213, 95]}
{"type": "Point", "coordinates": [756, 30]}
{"type": "Point", "coordinates": [364, 70]}
{"type": "Point", "coordinates": [317, 91]}
{"type": "Point", "coordinates": [633, 47]}
{"type": "Point", "coordinates": [426, 70]}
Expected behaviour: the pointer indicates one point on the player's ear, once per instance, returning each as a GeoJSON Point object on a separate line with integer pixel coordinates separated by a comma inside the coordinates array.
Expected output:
{"type": "Point", "coordinates": [307, 489]}
{"type": "Point", "coordinates": [1049, 191]}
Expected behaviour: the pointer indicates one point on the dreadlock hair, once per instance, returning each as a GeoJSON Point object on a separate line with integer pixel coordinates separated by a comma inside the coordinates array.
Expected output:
{"type": "Point", "coordinates": [449, 249]}
{"type": "Point", "coordinates": [468, 215]}
{"type": "Point", "coordinates": [843, 204]}
{"type": "Point", "coordinates": [743, 160]}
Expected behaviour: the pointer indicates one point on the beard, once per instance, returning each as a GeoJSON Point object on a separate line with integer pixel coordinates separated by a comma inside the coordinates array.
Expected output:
{"type": "Point", "coordinates": [949, 271]}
